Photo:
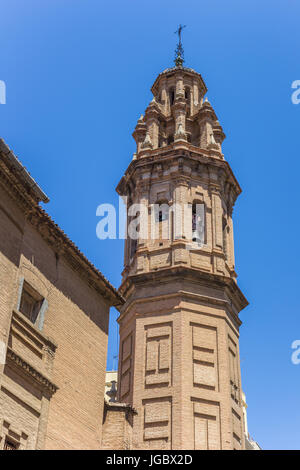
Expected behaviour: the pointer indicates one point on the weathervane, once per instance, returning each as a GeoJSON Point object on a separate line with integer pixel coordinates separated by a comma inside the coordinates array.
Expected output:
{"type": "Point", "coordinates": [179, 53]}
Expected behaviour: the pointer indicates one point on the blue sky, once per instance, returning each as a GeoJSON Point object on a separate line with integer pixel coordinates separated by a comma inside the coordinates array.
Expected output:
{"type": "Point", "coordinates": [78, 75]}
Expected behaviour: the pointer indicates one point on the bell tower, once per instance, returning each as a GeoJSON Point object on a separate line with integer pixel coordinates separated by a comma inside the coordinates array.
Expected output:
{"type": "Point", "coordinates": [179, 328]}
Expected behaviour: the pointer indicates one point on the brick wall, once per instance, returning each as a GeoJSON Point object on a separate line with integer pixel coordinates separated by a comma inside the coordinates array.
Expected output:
{"type": "Point", "coordinates": [117, 426]}
{"type": "Point", "coordinates": [75, 326]}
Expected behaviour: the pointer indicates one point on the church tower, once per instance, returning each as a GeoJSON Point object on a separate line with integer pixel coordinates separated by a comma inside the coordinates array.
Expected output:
{"type": "Point", "coordinates": [179, 329]}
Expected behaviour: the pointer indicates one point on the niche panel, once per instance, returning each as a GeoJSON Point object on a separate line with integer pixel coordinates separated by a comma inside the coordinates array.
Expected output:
{"type": "Point", "coordinates": [126, 363]}
{"type": "Point", "coordinates": [205, 357]}
{"type": "Point", "coordinates": [206, 425]}
{"type": "Point", "coordinates": [234, 370]}
{"type": "Point", "coordinates": [158, 355]}
{"type": "Point", "coordinates": [158, 422]}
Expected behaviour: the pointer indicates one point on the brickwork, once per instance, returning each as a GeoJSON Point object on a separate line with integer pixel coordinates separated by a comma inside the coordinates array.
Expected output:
{"type": "Point", "coordinates": [53, 374]}
{"type": "Point", "coordinates": [117, 426]}
{"type": "Point", "coordinates": [179, 328]}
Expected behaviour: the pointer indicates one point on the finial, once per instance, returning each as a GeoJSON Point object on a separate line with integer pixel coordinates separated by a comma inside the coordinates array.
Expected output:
{"type": "Point", "coordinates": [112, 393]}
{"type": "Point", "coordinates": [179, 53]}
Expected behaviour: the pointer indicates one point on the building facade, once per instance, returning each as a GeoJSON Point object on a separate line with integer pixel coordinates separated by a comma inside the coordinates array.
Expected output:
{"type": "Point", "coordinates": [179, 362]}
{"type": "Point", "coordinates": [54, 310]}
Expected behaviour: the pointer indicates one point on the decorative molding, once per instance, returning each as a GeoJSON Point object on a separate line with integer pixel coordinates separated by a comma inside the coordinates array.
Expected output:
{"type": "Point", "coordinates": [43, 381]}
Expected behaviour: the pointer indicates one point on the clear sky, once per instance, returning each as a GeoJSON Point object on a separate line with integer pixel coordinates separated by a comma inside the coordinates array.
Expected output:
{"type": "Point", "coordinates": [78, 75]}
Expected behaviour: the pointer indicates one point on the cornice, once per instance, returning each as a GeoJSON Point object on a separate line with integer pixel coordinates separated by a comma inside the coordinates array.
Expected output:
{"type": "Point", "coordinates": [14, 165]}
{"type": "Point", "coordinates": [167, 156]}
{"type": "Point", "coordinates": [183, 295]}
{"type": "Point", "coordinates": [179, 71]}
{"type": "Point", "coordinates": [31, 371]}
{"type": "Point", "coordinates": [206, 279]}
{"type": "Point", "coordinates": [16, 191]}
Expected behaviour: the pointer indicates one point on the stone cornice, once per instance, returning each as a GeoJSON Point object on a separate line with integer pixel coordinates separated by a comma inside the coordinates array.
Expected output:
{"type": "Point", "coordinates": [31, 371]}
{"type": "Point", "coordinates": [179, 70]}
{"type": "Point", "coordinates": [24, 179]}
{"type": "Point", "coordinates": [15, 190]}
{"type": "Point", "coordinates": [232, 319]}
{"type": "Point", "coordinates": [206, 279]}
{"type": "Point", "coordinates": [188, 155]}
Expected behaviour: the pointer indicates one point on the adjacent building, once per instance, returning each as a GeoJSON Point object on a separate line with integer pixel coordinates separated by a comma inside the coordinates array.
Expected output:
{"type": "Point", "coordinates": [54, 310]}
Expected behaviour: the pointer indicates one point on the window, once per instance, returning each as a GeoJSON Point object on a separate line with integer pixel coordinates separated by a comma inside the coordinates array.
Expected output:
{"type": "Point", "coordinates": [10, 445]}
{"type": "Point", "coordinates": [162, 214]}
{"type": "Point", "coordinates": [198, 222]}
{"type": "Point", "coordinates": [187, 95]}
{"type": "Point", "coordinates": [225, 231]}
{"type": "Point", "coordinates": [31, 302]}
{"type": "Point", "coordinates": [171, 96]}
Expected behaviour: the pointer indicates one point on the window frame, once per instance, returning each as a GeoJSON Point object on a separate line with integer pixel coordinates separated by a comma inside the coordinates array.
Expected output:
{"type": "Point", "coordinates": [37, 299]}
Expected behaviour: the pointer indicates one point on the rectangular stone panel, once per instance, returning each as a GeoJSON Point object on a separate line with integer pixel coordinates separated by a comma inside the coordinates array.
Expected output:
{"type": "Point", "coordinates": [160, 260]}
{"type": "Point", "coordinates": [206, 425]}
{"type": "Point", "coordinates": [157, 331]}
{"type": "Point", "coordinates": [157, 420]}
{"type": "Point", "coordinates": [126, 347]}
{"type": "Point", "coordinates": [204, 375]}
{"type": "Point", "coordinates": [217, 221]}
{"type": "Point", "coordinates": [201, 261]}
{"type": "Point", "coordinates": [236, 420]}
{"type": "Point", "coordinates": [205, 356]}
{"type": "Point", "coordinates": [234, 369]}
{"type": "Point", "coordinates": [151, 355]}
{"type": "Point", "coordinates": [164, 354]}
{"type": "Point", "coordinates": [126, 359]}
{"type": "Point", "coordinates": [125, 384]}
{"type": "Point", "coordinates": [158, 338]}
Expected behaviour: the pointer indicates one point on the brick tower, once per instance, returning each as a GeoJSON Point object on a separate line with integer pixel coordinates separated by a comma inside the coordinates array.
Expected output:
{"type": "Point", "coordinates": [179, 328]}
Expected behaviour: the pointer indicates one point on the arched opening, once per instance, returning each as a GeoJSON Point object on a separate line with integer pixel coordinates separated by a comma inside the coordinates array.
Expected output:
{"type": "Point", "coordinates": [162, 220]}
{"type": "Point", "coordinates": [225, 232]}
{"type": "Point", "coordinates": [187, 94]}
{"type": "Point", "coordinates": [171, 96]}
{"type": "Point", "coordinates": [198, 222]}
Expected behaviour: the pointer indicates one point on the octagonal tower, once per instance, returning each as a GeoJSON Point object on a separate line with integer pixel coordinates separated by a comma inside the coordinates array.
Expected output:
{"type": "Point", "coordinates": [179, 328]}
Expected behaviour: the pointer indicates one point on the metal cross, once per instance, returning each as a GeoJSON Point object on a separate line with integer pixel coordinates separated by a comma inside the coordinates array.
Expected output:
{"type": "Point", "coordinates": [179, 30]}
